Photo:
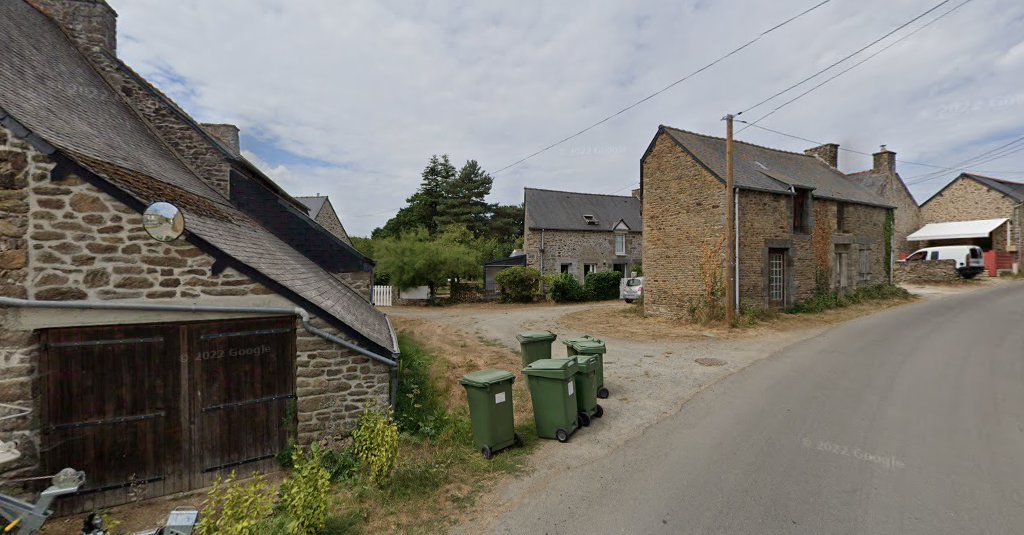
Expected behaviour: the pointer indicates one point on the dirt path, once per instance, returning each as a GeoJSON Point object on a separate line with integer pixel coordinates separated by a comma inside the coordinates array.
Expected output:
{"type": "Point", "coordinates": [650, 371]}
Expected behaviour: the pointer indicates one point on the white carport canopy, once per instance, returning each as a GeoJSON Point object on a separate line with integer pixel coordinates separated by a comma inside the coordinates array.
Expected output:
{"type": "Point", "coordinates": [953, 230]}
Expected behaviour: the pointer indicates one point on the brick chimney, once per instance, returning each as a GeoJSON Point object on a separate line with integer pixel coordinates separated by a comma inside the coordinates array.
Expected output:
{"type": "Point", "coordinates": [885, 161]}
{"type": "Point", "coordinates": [828, 153]}
{"type": "Point", "coordinates": [91, 24]}
{"type": "Point", "coordinates": [226, 134]}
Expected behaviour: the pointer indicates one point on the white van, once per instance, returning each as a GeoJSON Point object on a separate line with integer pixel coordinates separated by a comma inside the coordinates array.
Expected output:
{"type": "Point", "coordinates": [969, 261]}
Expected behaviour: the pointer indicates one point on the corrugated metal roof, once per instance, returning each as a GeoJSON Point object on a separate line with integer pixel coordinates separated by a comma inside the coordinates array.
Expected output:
{"type": "Point", "coordinates": [565, 210]}
{"type": "Point", "coordinates": [953, 230]}
{"type": "Point", "coordinates": [773, 170]}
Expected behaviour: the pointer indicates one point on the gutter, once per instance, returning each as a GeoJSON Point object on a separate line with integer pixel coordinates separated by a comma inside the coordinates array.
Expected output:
{"type": "Point", "coordinates": [296, 311]}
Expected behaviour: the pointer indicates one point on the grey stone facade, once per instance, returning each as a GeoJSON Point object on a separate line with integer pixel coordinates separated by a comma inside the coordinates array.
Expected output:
{"type": "Point", "coordinates": [579, 248]}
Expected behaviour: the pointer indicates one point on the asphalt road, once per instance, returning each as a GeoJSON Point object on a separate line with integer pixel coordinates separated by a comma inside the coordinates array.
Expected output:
{"type": "Point", "coordinates": [907, 421]}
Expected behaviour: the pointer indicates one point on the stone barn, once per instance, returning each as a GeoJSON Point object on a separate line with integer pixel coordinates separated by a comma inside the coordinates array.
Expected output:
{"type": "Point", "coordinates": [156, 366]}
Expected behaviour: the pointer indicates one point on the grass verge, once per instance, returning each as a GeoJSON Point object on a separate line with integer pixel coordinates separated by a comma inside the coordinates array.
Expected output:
{"type": "Point", "coordinates": [439, 473]}
{"type": "Point", "coordinates": [823, 301]}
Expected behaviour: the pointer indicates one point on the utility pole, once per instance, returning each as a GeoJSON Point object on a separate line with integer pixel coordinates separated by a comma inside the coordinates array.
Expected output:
{"type": "Point", "coordinates": [730, 228]}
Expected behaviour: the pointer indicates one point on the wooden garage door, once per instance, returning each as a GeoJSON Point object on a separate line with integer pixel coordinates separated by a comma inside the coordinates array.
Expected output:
{"type": "Point", "coordinates": [111, 407]}
{"type": "Point", "coordinates": [242, 380]}
{"type": "Point", "coordinates": [148, 410]}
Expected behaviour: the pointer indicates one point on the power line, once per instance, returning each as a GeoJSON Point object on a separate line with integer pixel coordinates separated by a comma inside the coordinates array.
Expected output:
{"type": "Point", "coordinates": [872, 43]}
{"type": "Point", "coordinates": [862, 153]}
{"type": "Point", "coordinates": [997, 153]}
{"type": "Point", "coordinates": [666, 88]}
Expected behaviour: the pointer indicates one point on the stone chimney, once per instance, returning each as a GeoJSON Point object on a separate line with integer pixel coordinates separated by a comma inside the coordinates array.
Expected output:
{"type": "Point", "coordinates": [638, 193]}
{"type": "Point", "coordinates": [885, 161]}
{"type": "Point", "coordinates": [828, 153]}
{"type": "Point", "coordinates": [226, 134]}
{"type": "Point", "coordinates": [91, 24]}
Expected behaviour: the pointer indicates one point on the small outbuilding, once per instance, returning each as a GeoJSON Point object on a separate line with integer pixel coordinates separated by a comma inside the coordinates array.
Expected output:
{"type": "Point", "coordinates": [492, 268]}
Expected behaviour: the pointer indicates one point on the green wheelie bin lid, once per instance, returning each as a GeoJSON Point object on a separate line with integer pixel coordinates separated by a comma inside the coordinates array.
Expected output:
{"type": "Point", "coordinates": [590, 347]}
{"type": "Point", "coordinates": [552, 368]}
{"type": "Point", "coordinates": [586, 363]}
{"type": "Point", "coordinates": [485, 378]}
{"type": "Point", "coordinates": [581, 338]}
{"type": "Point", "coordinates": [536, 336]}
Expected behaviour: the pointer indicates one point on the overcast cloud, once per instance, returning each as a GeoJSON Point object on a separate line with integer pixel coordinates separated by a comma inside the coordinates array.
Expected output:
{"type": "Point", "coordinates": [350, 99]}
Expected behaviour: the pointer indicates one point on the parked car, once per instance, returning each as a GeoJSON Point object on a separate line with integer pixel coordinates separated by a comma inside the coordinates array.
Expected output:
{"type": "Point", "coordinates": [969, 262]}
{"type": "Point", "coordinates": [633, 290]}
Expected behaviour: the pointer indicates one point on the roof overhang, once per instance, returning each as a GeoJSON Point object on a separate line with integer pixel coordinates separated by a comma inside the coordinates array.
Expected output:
{"type": "Point", "coordinates": [954, 230]}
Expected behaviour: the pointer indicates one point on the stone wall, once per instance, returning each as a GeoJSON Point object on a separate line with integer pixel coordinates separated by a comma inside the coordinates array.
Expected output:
{"type": "Point", "coordinates": [360, 281]}
{"type": "Point", "coordinates": [925, 272]}
{"type": "Point", "coordinates": [579, 248]}
{"type": "Point", "coordinates": [966, 199]}
{"type": "Point", "coordinates": [328, 219]}
{"type": "Point", "coordinates": [684, 219]}
{"type": "Point", "coordinates": [61, 238]}
{"type": "Point", "coordinates": [334, 385]}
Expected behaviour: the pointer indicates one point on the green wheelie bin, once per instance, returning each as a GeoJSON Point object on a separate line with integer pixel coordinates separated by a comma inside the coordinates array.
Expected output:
{"type": "Point", "coordinates": [535, 345]}
{"type": "Point", "coordinates": [586, 389]}
{"type": "Point", "coordinates": [553, 391]}
{"type": "Point", "coordinates": [490, 410]}
{"type": "Point", "coordinates": [596, 348]}
{"type": "Point", "coordinates": [569, 350]}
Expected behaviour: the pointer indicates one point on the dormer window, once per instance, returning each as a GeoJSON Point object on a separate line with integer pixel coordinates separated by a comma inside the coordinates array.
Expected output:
{"type": "Point", "coordinates": [801, 210]}
{"type": "Point", "coordinates": [590, 219]}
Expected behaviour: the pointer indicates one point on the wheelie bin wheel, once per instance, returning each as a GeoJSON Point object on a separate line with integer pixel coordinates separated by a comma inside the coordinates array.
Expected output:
{"type": "Point", "coordinates": [598, 411]}
{"type": "Point", "coordinates": [561, 435]}
{"type": "Point", "coordinates": [584, 419]}
{"type": "Point", "coordinates": [602, 393]}
{"type": "Point", "coordinates": [486, 450]}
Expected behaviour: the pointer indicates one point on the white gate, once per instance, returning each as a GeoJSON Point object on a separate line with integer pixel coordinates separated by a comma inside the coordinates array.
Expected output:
{"type": "Point", "coordinates": [382, 296]}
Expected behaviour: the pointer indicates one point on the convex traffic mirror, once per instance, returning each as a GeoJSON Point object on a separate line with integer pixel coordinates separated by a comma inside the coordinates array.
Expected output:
{"type": "Point", "coordinates": [163, 221]}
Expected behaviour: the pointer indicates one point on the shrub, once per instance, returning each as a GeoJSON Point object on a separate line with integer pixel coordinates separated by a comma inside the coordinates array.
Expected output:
{"type": "Point", "coordinates": [419, 409]}
{"type": "Point", "coordinates": [236, 508]}
{"type": "Point", "coordinates": [306, 495]}
{"type": "Point", "coordinates": [376, 443]}
{"type": "Point", "coordinates": [603, 286]}
{"type": "Point", "coordinates": [519, 284]}
{"type": "Point", "coordinates": [566, 289]}
{"type": "Point", "coordinates": [822, 301]}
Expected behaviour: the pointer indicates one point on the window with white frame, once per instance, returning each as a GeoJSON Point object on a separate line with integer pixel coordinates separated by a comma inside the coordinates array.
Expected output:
{"type": "Point", "coordinates": [620, 245]}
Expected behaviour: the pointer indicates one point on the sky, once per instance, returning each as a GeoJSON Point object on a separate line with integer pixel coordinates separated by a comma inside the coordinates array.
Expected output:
{"type": "Point", "coordinates": [351, 98]}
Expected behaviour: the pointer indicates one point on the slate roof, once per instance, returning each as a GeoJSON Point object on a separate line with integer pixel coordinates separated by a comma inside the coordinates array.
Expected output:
{"type": "Point", "coordinates": [772, 170]}
{"type": "Point", "coordinates": [51, 89]}
{"type": "Point", "coordinates": [564, 210]}
{"type": "Point", "coordinates": [512, 261]}
{"type": "Point", "coordinates": [1014, 190]}
{"type": "Point", "coordinates": [315, 204]}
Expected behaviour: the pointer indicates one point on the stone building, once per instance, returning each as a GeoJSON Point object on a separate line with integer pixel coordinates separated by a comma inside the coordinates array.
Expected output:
{"type": "Point", "coordinates": [883, 179]}
{"type": "Point", "coordinates": [323, 213]}
{"type": "Point", "coordinates": [971, 197]}
{"type": "Point", "coordinates": [581, 233]}
{"type": "Point", "coordinates": [155, 366]}
{"type": "Point", "coordinates": [800, 224]}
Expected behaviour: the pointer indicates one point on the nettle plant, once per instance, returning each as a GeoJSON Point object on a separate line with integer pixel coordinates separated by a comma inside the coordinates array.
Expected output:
{"type": "Point", "coordinates": [375, 440]}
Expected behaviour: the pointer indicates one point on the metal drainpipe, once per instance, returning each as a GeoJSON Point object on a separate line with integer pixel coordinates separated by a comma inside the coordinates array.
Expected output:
{"type": "Point", "coordinates": [296, 311]}
{"type": "Point", "coordinates": [736, 243]}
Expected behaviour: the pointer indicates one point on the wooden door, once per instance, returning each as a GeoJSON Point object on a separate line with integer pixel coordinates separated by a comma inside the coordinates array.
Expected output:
{"type": "Point", "coordinates": [149, 410]}
{"type": "Point", "coordinates": [111, 408]}
{"type": "Point", "coordinates": [242, 383]}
